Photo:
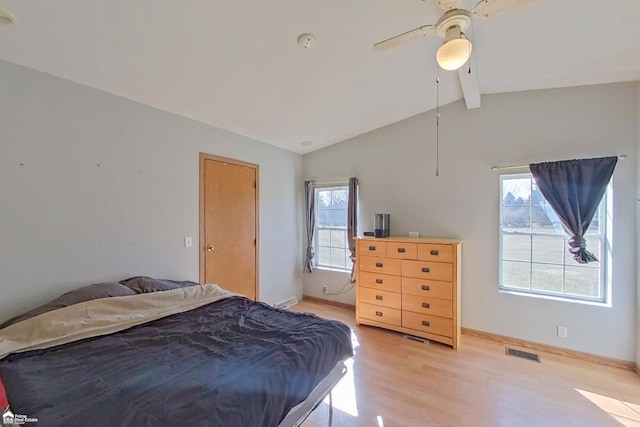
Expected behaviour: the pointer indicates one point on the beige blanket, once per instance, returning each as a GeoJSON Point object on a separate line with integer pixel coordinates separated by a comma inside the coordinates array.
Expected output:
{"type": "Point", "coordinates": [102, 317]}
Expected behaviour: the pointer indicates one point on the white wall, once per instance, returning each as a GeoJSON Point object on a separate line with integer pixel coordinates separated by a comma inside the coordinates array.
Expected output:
{"type": "Point", "coordinates": [396, 166]}
{"type": "Point", "coordinates": [637, 359]}
{"type": "Point", "coordinates": [65, 221]}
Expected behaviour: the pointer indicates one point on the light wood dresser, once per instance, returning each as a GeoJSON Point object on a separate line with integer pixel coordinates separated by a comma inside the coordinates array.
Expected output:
{"type": "Point", "coordinates": [410, 285]}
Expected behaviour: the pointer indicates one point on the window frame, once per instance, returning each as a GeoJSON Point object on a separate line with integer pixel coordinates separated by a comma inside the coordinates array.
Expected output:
{"type": "Point", "coordinates": [316, 244]}
{"type": "Point", "coordinates": [604, 209]}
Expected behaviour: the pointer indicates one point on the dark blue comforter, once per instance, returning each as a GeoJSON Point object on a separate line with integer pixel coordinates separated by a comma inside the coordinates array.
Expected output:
{"type": "Point", "coordinates": [231, 363]}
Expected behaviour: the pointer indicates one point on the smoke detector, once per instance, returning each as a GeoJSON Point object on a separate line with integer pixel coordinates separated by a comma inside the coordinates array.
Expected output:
{"type": "Point", "coordinates": [306, 40]}
{"type": "Point", "coordinates": [6, 18]}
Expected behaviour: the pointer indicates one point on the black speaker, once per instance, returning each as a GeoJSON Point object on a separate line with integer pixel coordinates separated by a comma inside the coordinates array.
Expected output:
{"type": "Point", "coordinates": [381, 225]}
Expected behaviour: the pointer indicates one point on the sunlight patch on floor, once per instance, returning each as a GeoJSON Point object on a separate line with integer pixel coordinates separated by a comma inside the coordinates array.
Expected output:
{"type": "Point", "coordinates": [625, 413]}
{"type": "Point", "coordinates": [344, 393]}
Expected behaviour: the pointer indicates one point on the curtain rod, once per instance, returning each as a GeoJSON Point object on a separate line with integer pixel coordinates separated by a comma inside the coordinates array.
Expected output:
{"type": "Point", "coordinates": [495, 168]}
{"type": "Point", "coordinates": [342, 181]}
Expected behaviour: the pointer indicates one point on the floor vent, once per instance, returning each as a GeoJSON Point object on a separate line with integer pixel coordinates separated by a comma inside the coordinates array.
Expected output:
{"type": "Point", "coordinates": [414, 338]}
{"type": "Point", "coordinates": [289, 302]}
{"type": "Point", "coordinates": [522, 354]}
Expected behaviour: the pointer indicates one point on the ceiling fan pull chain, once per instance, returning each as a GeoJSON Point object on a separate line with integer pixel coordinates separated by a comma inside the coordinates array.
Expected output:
{"type": "Point", "coordinates": [469, 60]}
{"type": "Point", "coordinates": [437, 120]}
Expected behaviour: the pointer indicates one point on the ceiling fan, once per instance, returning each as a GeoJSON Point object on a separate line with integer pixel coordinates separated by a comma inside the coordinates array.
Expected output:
{"type": "Point", "coordinates": [456, 50]}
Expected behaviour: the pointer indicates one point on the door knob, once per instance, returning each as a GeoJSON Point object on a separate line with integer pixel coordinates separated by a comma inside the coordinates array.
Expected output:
{"type": "Point", "coordinates": [210, 248]}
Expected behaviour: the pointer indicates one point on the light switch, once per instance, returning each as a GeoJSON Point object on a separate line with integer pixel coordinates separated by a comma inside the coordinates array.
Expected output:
{"type": "Point", "coordinates": [188, 242]}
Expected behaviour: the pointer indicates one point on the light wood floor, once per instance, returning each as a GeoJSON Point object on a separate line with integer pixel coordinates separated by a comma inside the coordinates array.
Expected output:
{"type": "Point", "coordinates": [393, 381]}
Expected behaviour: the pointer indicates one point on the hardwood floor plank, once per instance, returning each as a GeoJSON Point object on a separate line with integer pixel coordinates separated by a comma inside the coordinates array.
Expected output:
{"type": "Point", "coordinates": [394, 381]}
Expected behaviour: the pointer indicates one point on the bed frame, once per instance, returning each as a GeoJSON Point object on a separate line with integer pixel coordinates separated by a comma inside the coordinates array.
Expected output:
{"type": "Point", "coordinates": [300, 412]}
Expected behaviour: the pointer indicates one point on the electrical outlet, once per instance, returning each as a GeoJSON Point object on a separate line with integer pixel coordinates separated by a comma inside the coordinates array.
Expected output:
{"type": "Point", "coordinates": [324, 289]}
{"type": "Point", "coordinates": [562, 331]}
{"type": "Point", "coordinates": [414, 234]}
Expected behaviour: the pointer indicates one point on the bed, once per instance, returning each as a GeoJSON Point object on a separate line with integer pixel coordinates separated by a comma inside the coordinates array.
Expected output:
{"type": "Point", "coordinates": [159, 352]}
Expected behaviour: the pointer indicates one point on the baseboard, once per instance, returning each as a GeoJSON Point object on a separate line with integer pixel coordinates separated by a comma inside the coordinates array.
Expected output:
{"type": "Point", "coordinates": [603, 360]}
{"type": "Point", "coordinates": [329, 302]}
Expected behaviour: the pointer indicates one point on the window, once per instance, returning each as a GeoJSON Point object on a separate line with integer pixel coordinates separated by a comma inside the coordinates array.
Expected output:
{"type": "Point", "coordinates": [534, 256]}
{"type": "Point", "coordinates": [332, 247]}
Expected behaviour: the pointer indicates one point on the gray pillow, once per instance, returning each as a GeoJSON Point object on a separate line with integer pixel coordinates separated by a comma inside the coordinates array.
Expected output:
{"type": "Point", "coordinates": [86, 293]}
{"type": "Point", "coordinates": [143, 284]}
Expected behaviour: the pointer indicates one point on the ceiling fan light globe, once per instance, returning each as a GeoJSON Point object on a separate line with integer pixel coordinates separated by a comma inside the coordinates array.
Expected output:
{"type": "Point", "coordinates": [453, 54]}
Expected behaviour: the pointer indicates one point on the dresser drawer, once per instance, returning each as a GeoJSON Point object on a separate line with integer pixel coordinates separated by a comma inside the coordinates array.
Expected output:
{"type": "Point", "coordinates": [426, 323]}
{"type": "Point", "coordinates": [402, 250]}
{"type": "Point", "coordinates": [427, 288]}
{"type": "Point", "coordinates": [427, 270]}
{"type": "Point", "coordinates": [382, 282]}
{"type": "Point", "coordinates": [435, 252]}
{"type": "Point", "coordinates": [371, 248]}
{"type": "Point", "coordinates": [378, 297]}
{"type": "Point", "coordinates": [380, 265]}
{"type": "Point", "coordinates": [388, 315]}
{"type": "Point", "coordinates": [424, 305]}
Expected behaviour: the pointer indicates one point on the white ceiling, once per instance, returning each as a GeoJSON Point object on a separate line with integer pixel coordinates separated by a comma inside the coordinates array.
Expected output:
{"type": "Point", "coordinates": [235, 64]}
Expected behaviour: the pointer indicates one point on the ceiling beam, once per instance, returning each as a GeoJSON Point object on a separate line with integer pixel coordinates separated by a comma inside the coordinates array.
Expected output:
{"type": "Point", "coordinates": [469, 83]}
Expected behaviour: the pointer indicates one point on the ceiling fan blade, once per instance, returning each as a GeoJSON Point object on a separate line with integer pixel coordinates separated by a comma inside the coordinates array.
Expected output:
{"type": "Point", "coordinates": [489, 7]}
{"type": "Point", "coordinates": [425, 30]}
{"type": "Point", "coordinates": [447, 4]}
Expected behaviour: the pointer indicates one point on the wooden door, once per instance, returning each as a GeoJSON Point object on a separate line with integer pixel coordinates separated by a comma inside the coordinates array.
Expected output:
{"type": "Point", "coordinates": [229, 224]}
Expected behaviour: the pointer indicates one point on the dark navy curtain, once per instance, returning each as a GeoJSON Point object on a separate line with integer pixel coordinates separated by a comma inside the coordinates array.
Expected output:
{"type": "Point", "coordinates": [574, 189]}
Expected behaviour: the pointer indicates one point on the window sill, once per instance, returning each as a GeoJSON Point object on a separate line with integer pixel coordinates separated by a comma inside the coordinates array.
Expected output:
{"type": "Point", "coordinates": [554, 298]}
{"type": "Point", "coordinates": [337, 270]}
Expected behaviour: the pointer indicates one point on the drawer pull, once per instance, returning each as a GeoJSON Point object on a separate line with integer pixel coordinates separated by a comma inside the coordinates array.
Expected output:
{"type": "Point", "coordinates": [379, 297]}
{"type": "Point", "coordinates": [425, 287]}
{"type": "Point", "coordinates": [379, 281]}
{"type": "Point", "coordinates": [402, 250]}
{"type": "Point", "coordinates": [372, 248]}
{"type": "Point", "coordinates": [379, 264]}
{"type": "Point", "coordinates": [426, 269]}
{"type": "Point", "coordinates": [425, 305]}
{"type": "Point", "coordinates": [435, 253]}
{"type": "Point", "coordinates": [379, 313]}
{"type": "Point", "coordinates": [425, 323]}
